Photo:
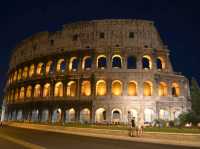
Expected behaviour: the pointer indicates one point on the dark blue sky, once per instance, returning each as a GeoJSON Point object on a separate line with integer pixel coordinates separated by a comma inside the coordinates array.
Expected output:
{"type": "Point", "coordinates": [178, 21]}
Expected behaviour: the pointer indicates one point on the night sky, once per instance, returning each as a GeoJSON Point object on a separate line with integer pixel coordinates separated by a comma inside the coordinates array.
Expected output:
{"type": "Point", "coordinates": [178, 22]}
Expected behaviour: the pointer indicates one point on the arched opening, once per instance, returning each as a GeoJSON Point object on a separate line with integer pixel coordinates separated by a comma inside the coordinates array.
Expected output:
{"type": "Point", "coordinates": [116, 61]}
{"type": "Point", "coordinates": [87, 63]}
{"type": "Point", "coordinates": [40, 69]}
{"type": "Point", "coordinates": [164, 114]}
{"type": "Point", "coordinates": [45, 115]}
{"type": "Point", "coordinates": [162, 90]}
{"type": "Point", "coordinates": [34, 115]}
{"type": "Point", "coordinates": [148, 115]}
{"type": "Point", "coordinates": [116, 116]}
{"type": "Point", "coordinates": [70, 115]}
{"type": "Point", "coordinates": [25, 72]}
{"type": "Point", "coordinates": [15, 76]}
{"type": "Point", "coordinates": [101, 62]}
{"type": "Point", "coordinates": [148, 88]}
{"type": "Point", "coordinates": [132, 88]}
{"type": "Point", "coordinates": [131, 62]}
{"type": "Point", "coordinates": [22, 94]}
{"type": "Point", "coordinates": [132, 113]}
{"type": "Point", "coordinates": [19, 115]}
{"type": "Point", "coordinates": [101, 88]}
{"type": "Point", "coordinates": [60, 65]}
{"type": "Point", "coordinates": [56, 117]}
{"type": "Point", "coordinates": [58, 90]}
{"type": "Point", "coordinates": [177, 113]}
{"type": "Point", "coordinates": [146, 62]}
{"type": "Point", "coordinates": [31, 70]}
{"type": "Point", "coordinates": [175, 90]}
{"type": "Point", "coordinates": [73, 64]}
{"type": "Point", "coordinates": [28, 91]}
{"type": "Point", "coordinates": [37, 90]}
{"type": "Point", "coordinates": [160, 63]}
{"type": "Point", "coordinates": [85, 115]}
{"type": "Point", "coordinates": [100, 115]}
{"type": "Point", "coordinates": [71, 89]}
{"type": "Point", "coordinates": [19, 76]}
{"type": "Point", "coordinates": [86, 88]}
{"type": "Point", "coordinates": [16, 94]}
{"type": "Point", "coordinates": [117, 88]}
{"type": "Point", "coordinates": [49, 67]}
{"type": "Point", "coordinates": [14, 115]}
{"type": "Point", "coordinates": [46, 90]}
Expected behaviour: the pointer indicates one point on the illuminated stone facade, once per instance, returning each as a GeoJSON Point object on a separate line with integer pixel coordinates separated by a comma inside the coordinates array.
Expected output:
{"type": "Point", "coordinates": [101, 71]}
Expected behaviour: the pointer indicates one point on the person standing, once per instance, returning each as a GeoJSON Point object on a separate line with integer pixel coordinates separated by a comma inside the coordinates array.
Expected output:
{"type": "Point", "coordinates": [132, 127]}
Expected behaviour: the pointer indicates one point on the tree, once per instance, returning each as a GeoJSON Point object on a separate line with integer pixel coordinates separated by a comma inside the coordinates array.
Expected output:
{"type": "Point", "coordinates": [195, 96]}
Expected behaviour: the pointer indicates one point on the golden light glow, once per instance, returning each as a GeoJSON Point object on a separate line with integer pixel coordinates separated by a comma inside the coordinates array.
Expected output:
{"type": "Point", "coordinates": [31, 70]}
{"type": "Point", "coordinates": [132, 88]}
{"type": "Point", "coordinates": [58, 90]}
{"type": "Point", "coordinates": [98, 59]}
{"type": "Point", "coordinates": [149, 59]}
{"type": "Point", "coordinates": [39, 68]}
{"type": "Point", "coordinates": [101, 88]}
{"type": "Point", "coordinates": [148, 88]}
{"type": "Point", "coordinates": [86, 88]}
{"type": "Point", "coordinates": [117, 88]}
{"type": "Point", "coordinates": [100, 115]}
{"type": "Point", "coordinates": [48, 66]}
{"type": "Point", "coordinates": [84, 61]}
{"type": "Point", "coordinates": [46, 90]}
{"type": "Point", "coordinates": [25, 72]}
{"type": "Point", "coordinates": [21, 94]}
{"type": "Point", "coordinates": [15, 76]}
{"type": "Point", "coordinates": [71, 89]}
{"type": "Point", "coordinates": [162, 90]}
{"type": "Point", "coordinates": [37, 90]}
{"type": "Point", "coordinates": [71, 63]}
{"type": "Point", "coordinates": [16, 94]}
{"type": "Point", "coordinates": [175, 89]}
{"type": "Point", "coordinates": [19, 76]}
{"type": "Point", "coordinates": [28, 91]}
{"type": "Point", "coordinates": [58, 67]}
{"type": "Point", "coordinates": [162, 62]}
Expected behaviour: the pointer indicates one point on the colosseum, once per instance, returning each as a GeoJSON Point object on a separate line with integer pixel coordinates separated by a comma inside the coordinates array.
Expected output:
{"type": "Point", "coordinates": [99, 71]}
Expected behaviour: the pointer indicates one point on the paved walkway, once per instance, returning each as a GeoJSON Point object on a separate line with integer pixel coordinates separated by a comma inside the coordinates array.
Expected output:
{"type": "Point", "coordinates": [149, 137]}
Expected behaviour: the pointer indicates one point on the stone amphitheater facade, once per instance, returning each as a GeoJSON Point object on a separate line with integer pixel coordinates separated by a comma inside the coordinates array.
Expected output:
{"type": "Point", "coordinates": [100, 71]}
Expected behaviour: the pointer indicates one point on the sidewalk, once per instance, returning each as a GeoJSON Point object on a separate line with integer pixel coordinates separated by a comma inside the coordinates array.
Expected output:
{"type": "Point", "coordinates": [148, 137]}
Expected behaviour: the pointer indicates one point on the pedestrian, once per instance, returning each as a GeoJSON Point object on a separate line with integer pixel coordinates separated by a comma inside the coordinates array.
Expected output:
{"type": "Point", "coordinates": [139, 127]}
{"type": "Point", "coordinates": [132, 129]}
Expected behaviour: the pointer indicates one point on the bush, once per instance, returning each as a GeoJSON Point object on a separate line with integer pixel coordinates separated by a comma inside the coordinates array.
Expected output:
{"type": "Point", "coordinates": [189, 117]}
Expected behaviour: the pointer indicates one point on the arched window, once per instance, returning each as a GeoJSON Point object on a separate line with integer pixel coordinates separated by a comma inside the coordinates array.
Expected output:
{"type": "Point", "coordinates": [31, 70]}
{"type": "Point", "coordinates": [25, 72]}
{"type": "Point", "coordinates": [37, 90]}
{"type": "Point", "coordinates": [148, 115]}
{"type": "Point", "coordinates": [40, 69]}
{"type": "Point", "coordinates": [73, 64]}
{"type": "Point", "coordinates": [117, 88]}
{"type": "Point", "coordinates": [70, 115]}
{"type": "Point", "coordinates": [19, 76]}
{"type": "Point", "coordinates": [15, 76]}
{"type": "Point", "coordinates": [101, 88]}
{"type": "Point", "coordinates": [131, 62]}
{"type": "Point", "coordinates": [116, 61]}
{"type": "Point", "coordinates": [28, 91]}
{"type": "Point", "coordinates": [148, 87]}
{"type": "Point", "coordinates": [162, 90]}
{"type": "Point", "coordinates": [101, 62]}
{"type": "Point", "coordinates": [87, 63]}
{"type": "Point", "coordinates": [21, 94]}
{"type": "Point", "coordinates": [175, 90]}
{"type": "Point", "coordinates": [116, 115]}
{"type": "Point", "coordinates": [100, 115]}
{"type": "Point", "coordinates": [86, 88]}
{"type": "Point", "coordinates": [71, 89]}
{"type": "Point", "coordinates": [16, 94]}
{"type": "Point", "coordinates": [46, 90]}
{"type": "Point", "coordinates": [58, 90]}
{"type": "Point", "coordinates": [132, 88]}
{"type": "Point", "coordinates": [146, 62]}
{"type": "Point", "coordinates": [49, 67]}
{"type": "Point", "coordinates": [85, 115]}
{"type": "Point", "coordinates": [60, 65]}
{"type": "Point", "coordinates": [160, 63]}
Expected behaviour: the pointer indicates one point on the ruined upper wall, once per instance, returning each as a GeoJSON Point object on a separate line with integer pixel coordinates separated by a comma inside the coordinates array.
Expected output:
{"type": "Point", "coordinates": [88, 34]}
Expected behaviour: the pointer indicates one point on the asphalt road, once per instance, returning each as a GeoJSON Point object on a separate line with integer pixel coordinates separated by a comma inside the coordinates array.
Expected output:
{"type": "Point", "coordinates": [17, 138]}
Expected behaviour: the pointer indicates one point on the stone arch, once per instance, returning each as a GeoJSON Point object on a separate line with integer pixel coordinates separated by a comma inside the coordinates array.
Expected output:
{"type": "Point", "coordinates": [86, 88]}
{"type": "Point", "coordinates": [146, 62]}
{"type": "Point", "coordinates": [40, 68]}
{"type": "Point", "coordinates": [58, 89]}
{"type": "Point", "coordinates": [73, 64]}
{"type": "Point", "coordinates": [16, 94]}
{"type": "Point", "coordinates": [149, 115]}
{"type": "Point", "coordinates": [116, 115]}
{"type": "Point", "coordinates": [147, 88]}
{"type": "Point", "coordinates": [19, 115]}
{"type": "Point", "coordinates": [15, 76]}
{"type": "Point", "coordinates": [19, 76]}
{"type": "Point", "coordinates": [22, 93]}
{"type": "Point", "coordinates": [132, 88]}
{"type": "Point", "coordinates": [37, 90]}
{"type": "Point", "coordinates": [29, 91]}
{"type": "Point", "coordinates": [49, 67]}
{"type": "Point", "coordinates": [87, 63]}
{"type": "Point", "coordinates": [70, 115]}
{"type": "Point", "coordinates": [31, 70]}
{"type": "Point", "coordinates": [117, 88]}
{"type": "Point", "coordinates": [60, 67]}
{"type": "Point", "coordinates": [71, 88]}
{"type": "Point", "coordinates": [175, 89]}
{"type": "Point", "coordinates": [35, 115]}
{"type": "Point", "coordinates": [25, 72]}
{"type": "Point", "coordinates": [116, 61]}
{"type": "Point", "coordinates": [46, 90]}
{"type": "Point", "coordinates": [131, 62]}
{"type": "Point", "coordinates": [162, 89]}
{"type": "Point", "coordinates": [56, 116]}
{"type": "Point", "coordinates": [85, 115]}
{"type": "Point", "coordinates": [101, 88]}
{"type": "Point", "coordinates": [101, 62]}
{"type": "Point", "coordinates": [100, 115]}
{"type": "Point", "coordinates": [160, 63]}
{"type": "Point", "coordinates": [45, 115]}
